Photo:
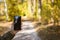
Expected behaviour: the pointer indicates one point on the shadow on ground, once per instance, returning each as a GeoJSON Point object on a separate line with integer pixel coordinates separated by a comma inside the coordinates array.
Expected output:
{"type": "Point", "coordinates": [50, 33]}
{"type": "Point", "coordinates": [3, 30]}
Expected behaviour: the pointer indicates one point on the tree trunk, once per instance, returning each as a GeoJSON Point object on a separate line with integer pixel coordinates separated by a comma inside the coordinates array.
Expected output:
{"type": "Point", "coordinates": [6, 10]}
{"type": "Point", "coordinates": [29, 6]}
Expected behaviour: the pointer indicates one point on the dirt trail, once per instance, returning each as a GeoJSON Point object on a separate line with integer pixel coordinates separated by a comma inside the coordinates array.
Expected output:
{"type": "Point", "coordinates": [5, 24]}
{"type": "Point", "coordinates": [4, 27]}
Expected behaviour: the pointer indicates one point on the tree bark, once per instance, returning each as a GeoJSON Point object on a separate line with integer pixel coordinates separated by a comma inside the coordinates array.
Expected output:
{"type": "Point", "coordinates": [6, 10]}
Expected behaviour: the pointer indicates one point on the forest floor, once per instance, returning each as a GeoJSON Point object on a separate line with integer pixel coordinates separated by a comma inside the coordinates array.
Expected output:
{"type": "Point", "coordinates": [46, 32]}
{"type": "Point", "coordinates": [6, 25]}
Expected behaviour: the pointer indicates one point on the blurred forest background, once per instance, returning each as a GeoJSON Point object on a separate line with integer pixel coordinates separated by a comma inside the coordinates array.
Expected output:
{"type": "Point", "coordinates": [46, 11]}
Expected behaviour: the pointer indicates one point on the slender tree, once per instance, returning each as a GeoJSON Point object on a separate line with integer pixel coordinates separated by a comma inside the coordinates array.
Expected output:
{"type": "Point", "coordinates": [6, 11]}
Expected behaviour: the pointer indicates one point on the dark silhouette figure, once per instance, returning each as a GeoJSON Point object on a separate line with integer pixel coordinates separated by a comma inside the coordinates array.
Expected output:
{"type": "Point", "coordinates": [17, 23]}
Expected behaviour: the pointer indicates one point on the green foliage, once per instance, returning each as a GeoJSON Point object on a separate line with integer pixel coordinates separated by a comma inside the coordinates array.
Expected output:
{"type": "Point", "coordinates": [23, 9]}
{"type": "Point", "coordinates": [50, 10]}
{"type": "Point", "coordinates": [46, 11]}
{"type": "Point", "coordinates": [16, 7]}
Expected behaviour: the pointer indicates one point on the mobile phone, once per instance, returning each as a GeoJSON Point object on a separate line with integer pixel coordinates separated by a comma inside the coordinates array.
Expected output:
{"type": "Point", "coordinates": [17, 22]}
